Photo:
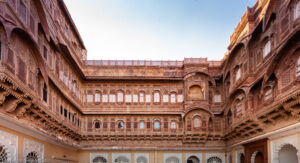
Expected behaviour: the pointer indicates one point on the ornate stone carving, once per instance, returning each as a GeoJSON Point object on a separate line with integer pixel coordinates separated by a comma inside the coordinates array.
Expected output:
{"type": "Point", "coordinates": [32, 146]}
{"type": "Point", "coordinates": [137, 156]}
{"type": "Point", "coordinates": [10, 144]}
{"type": "Point", "coordinates": [277, 144]}
{"type": "Point", "coordinates": [95, 155]}
{"type": "Point", "coordinates": [198, 155]}
{"type": "Point", "coordinates": [170, 155]}
{"type": "Point", "coordinates": [116, 156]}
{"type": "Point", "coordinates": [219, 155]}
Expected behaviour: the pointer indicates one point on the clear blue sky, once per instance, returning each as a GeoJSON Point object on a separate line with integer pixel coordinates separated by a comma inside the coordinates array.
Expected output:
{"type": "Point", "coordinates": [156, 29]}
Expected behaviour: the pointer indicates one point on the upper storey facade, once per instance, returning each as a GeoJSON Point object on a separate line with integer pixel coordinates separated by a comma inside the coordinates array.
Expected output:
{"type": "Point", "coordinates": [46, 79]}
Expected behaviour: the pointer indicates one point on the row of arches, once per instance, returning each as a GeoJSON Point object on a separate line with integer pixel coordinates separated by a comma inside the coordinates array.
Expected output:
{"type": "Point", "coordinates": [142, 159]}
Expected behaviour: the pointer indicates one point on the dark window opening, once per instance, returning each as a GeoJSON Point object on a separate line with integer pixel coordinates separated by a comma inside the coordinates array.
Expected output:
{"type": "Point", "coordinates": [45, 93]}
{"type": "Point", "coordinates": [45, 53]}
{"type": "Point", "coordinates": [65, 113]}
{"type": "Point", "coordinates": [69, 115]}
{"type": "Point", "coordinates": [97, 125]}
{"type": "Point", "coordinates": [61, 110]}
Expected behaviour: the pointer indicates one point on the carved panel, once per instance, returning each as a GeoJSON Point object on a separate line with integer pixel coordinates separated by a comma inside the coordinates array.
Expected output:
{"type": "Point", "coordinates": [30, 146]}
{"type": "Point", "coordinates": [10, 144]}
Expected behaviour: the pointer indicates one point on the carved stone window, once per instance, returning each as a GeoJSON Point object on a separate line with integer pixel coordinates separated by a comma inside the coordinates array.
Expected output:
{"type": "Point", "coordinates": [268, 94]}
{"type": "Point", "coordinates": [156, 97]}
{"type": "Point", "coordinates": [135, 98]}
{"type": "Point", "coordinates": [267, 48]}
{"type": "Point", "coordinates": [217, 98]}
{"type": "Point", "coordinates": [156, 125]}
{"type": "Point", "coordinates": [120, 96]}
{"type": "Point", "coordinates": [142, 125]}
{"type": "Point", "coordinates": [179, 98]}
{"type": "Point", "coordinates": [238, 108]}
{"type": "Point", "coordinates": [214, 160]}
{"type": "Point", "coordinates": [298, 64]}
{"type": "Point", "coordinates": [3, 154]}
{"type": "Point", "coordinates": [197, 122]}
{"type": "Point", "coordinates": [173, 125]}
{"type": "Point", "coordinates": [166, 98]}
{"type": "Point", "coordinates": [142, 97]}
{"type": "Point", "coordinates": [97, 124]}
{"type": "Point", "coordinates": [99, 160]}
{"type": "Point", "coordinates": [172, 160]}
{"type": "Point", "coordinates": [105, 98]}
{"type": "Point", "coordinates": [148, 98]}
{"type": "Point", "coordinates": [121, 125]}
{"type": "Point", "coordinates": [141, 159]}
{"type": "Point", "coordinates": [173, 98]}
{"type": "Point", "coordinates": [32, 157]}
{"type": "Point", "coordinates": [196, 92]}
{"type": "Point", "coordinates": [90, 97]}
{"type": "Point", "coordinates": [297, 11]}
{"type": "Point", "coordinates": [128, 98]}
{"type": "Point", "coordinates": [238, 74]}
{"type": "Point", "coordinates": [112, 98]}
{"type": "Point", "coordinates": [97, 97]}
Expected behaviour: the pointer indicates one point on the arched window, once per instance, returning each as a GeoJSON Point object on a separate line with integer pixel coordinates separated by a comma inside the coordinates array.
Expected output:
{"type": "Point", "coordinates": [298, 66]}
{"type": "Point", "coordinates": [238, 109]}
{"type": "Point", "coordinates": [297, 11]}
{"type": "Point", "coordinates": [121, 125]}
{"type": "Point", "coordinates": [97, 124]}
{"type": "Point", "coordinates": [173, 98]}
{"type": "Point", "coordinates": [3, 154]}
{"type": "Point", "coordinates": [214, 160]}
{"type": "Point", "coordinates": [173, 125]}
{"type": "Point", "coordinates": [90, 97]}
{"type": "Point", "coordinates": [97, 97]}
{"type": "Point", "coordinates": [172, 160]}
{"type": "Point", "coordinates": [268, 94]}
{"type": "Point", "coordinates": [99, 160]}
{"type": "Point", "coordinates": [196, 92]}
{"type": "Point", "coordinates": [267, 48]}
{"type": "Point", "coordinates": [45, 92]}
{"type": "Point", "coordinates": [32, 157]}
{"type": "Point", "coordinates": [121, 159]}
{"type": "Point", "coordinates": [156, 97]}
{"type": "Point", "coordinates": [197, 122]}
{"type": "Point", "coordinates": [142, 96]}
{"type": "Point", "coordinates": [238, 74]}
{"type": "Point", "coordinates": [120, 97]}
{"type": "Point", "coordinates": [217, 98]}
{"type": "Point", "coordinates": [166, 98]}
{"type": "Point", "coordinates": [156, 125]}
{"type": "Point", "coordinates": [193, 159]}
{"type": "Point", "coordinates": [141, 159]}
{"type": "Point", "coordinates": [288, 154]}
{"type": "Point", "coordinates": [135, 98]}
{"type": "Point", "coordinates": [142, 125]}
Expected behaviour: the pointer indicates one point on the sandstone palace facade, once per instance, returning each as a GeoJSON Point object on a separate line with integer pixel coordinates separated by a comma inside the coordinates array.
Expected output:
{"type": "Point", "coordinates": [58, 107]}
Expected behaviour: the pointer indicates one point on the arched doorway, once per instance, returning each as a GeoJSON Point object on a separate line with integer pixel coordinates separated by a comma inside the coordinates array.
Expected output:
{"type": "Point", "coordinates": [242, 158]}
{"type": "Point", "coordinates": [288, 154]}
{"type": "Point", "coordinates": [214, 160]}
{"type": "Point", "coordinates": [257, 157]}
{"type": "Point", "coordinates": [193, 159]}
{"type": "Point", "coordinates": [99, 160]}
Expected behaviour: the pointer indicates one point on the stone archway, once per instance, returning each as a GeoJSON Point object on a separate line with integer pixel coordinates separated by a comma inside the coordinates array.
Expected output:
{"type": "Point", "coordinates": [288, 153]}
{"type": "Point", "coordinates": [172, 160]}
{"type": "Point", "coordinates": [99, 159]}
{"type": "Point", "coordinates": [214, 160]}
{"type": "Point", "coordinates": [257, 157]}
{"type": "Point", "coordinates": [193, 159]}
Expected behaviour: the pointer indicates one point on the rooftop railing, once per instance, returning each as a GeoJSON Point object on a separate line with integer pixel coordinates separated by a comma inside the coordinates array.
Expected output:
{"type": "Point", "coordinates": [150, 62]}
